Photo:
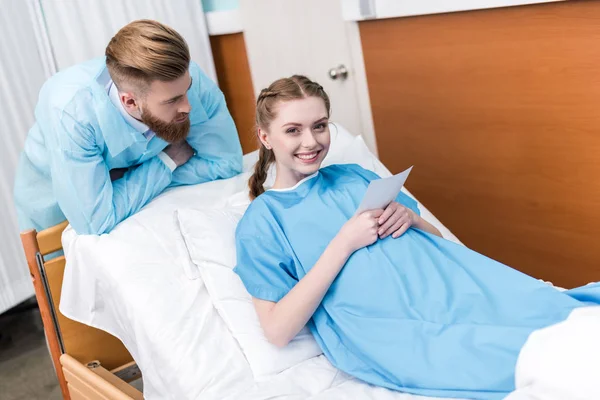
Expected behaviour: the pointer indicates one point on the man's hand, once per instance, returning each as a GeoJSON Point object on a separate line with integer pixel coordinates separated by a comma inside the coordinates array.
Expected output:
{"type": "Point", "coordinates": [179, 152]}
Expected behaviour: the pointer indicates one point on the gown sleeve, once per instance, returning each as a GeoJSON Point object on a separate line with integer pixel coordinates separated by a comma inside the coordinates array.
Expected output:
{"type": "Point", "coordinates": [81, 181]}
{"type": "Point", "coordinates": [264, 265]}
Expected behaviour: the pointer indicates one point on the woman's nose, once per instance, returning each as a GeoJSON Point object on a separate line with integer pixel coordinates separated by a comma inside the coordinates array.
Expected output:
{"type": "Point", "coordinates": [308, 139]}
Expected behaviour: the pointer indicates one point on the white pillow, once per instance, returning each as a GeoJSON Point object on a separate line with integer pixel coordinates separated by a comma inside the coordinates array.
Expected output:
{"type": "Point", "coordinates": [209, 236]}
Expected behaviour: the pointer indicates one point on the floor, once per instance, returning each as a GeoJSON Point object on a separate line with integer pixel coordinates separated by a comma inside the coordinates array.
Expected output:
{"type": "Point", "coordinates": [26, 371]}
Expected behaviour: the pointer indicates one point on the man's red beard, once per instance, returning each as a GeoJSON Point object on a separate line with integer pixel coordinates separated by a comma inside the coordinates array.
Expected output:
{"type": "Point", "coordinates": [170, 132]}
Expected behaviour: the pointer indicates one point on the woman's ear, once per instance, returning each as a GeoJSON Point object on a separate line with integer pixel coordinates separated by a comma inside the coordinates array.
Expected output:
{"type": "Point", "coordinates": [262, 136]}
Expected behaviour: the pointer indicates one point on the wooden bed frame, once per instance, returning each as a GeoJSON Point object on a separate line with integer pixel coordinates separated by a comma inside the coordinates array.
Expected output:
{"type": "Point", "coordinates": [89, 363]}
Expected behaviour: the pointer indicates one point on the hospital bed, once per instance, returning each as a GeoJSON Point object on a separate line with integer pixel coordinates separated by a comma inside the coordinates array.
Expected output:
{"type": "Point", "coordinates": [137, 284]}
{"type": "Point", "coordinates": [75, 349]}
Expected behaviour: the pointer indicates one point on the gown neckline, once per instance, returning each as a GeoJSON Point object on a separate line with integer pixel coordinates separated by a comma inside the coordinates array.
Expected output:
{"type": "Point", "coordinates": [296, 185]}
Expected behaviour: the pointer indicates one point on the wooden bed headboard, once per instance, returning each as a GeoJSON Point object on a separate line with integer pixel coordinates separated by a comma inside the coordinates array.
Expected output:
{"type": "Point", "coordinates": [499, 111]}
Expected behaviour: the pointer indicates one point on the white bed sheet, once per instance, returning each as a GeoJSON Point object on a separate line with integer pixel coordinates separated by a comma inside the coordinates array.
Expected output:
{"type": "Point", "coordinates": [134, 283]}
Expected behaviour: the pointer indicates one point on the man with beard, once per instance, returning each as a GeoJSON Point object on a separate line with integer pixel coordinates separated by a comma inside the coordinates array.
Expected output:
{"type": "Point", "coordinates": [113, 133]}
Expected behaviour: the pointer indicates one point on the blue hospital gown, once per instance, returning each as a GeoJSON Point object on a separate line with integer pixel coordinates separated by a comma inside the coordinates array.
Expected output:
{"type": "Point", "coordinates": [79, 136]}
{"type": "Point", "coordinates": [419, 313]}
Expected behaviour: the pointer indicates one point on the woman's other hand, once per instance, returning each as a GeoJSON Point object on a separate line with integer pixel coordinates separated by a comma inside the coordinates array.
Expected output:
{"type": "Point", "coordinates": [395, 220]}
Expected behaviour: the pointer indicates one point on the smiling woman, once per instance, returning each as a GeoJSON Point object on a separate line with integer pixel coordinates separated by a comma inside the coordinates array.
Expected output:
{"type": "Point", "coordinates": [273, 113]}
{"type": "Point", "coordinates": [299, 147]}
{"type": "Point", "coordinates": [388, 300]}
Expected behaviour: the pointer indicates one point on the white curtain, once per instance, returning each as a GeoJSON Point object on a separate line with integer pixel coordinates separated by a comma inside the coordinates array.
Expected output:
{"type": "Point", "coordinates": [39, 37]}
{"type": "Point", "coordinates": [80, 29]}
{"type": "Point", "coordinates": [22, 72]}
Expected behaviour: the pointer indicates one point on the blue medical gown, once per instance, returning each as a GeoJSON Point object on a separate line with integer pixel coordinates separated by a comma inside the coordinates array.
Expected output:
{"type": "Point", "coordinates": [79, 136]}
{"type": "Point", "coordinates": [418, 313]}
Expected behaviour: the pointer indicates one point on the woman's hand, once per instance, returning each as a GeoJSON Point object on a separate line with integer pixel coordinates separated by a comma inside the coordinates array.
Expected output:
{"type": "Point", "coordinates": [395, 220]}
{"type": "Point", "coordinates": [360, 231]}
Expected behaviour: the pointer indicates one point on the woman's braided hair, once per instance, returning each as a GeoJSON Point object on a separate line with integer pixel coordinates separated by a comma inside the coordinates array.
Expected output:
{"type": "Point", "coordinates": [285, 89]}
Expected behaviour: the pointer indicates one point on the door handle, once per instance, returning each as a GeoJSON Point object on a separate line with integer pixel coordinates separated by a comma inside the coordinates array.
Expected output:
{"type": "Point", "coordinates": [338, 73]}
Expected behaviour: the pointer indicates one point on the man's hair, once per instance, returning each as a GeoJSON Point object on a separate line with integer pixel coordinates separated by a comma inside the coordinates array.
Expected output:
{"type": "Point", "coordinates": [144, 51]}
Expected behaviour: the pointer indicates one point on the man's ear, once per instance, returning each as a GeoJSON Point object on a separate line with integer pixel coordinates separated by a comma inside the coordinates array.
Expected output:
{"type": "Point", "coordinates": [130, 102]}
{"type": "Point", "coordinates": [262, 136]}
